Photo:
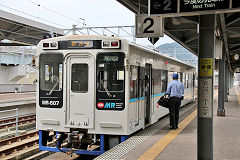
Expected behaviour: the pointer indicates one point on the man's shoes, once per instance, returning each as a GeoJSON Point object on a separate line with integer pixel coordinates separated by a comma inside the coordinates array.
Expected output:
{"type": "Point", "coordinates": [173, 128]}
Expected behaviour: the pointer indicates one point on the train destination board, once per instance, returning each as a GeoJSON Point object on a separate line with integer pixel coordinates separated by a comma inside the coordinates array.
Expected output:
{"type": "Point", "coordinates": [170, 8]}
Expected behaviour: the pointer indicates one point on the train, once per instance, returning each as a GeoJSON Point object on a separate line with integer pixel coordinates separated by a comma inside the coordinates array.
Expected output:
{"type": "Point", "coordinates": [93, 92]}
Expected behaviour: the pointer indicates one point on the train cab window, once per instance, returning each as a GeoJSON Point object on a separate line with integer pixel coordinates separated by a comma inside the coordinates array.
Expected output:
{"type": "Point", "coordinates": [110, 72]}
{"type": "Point", "coordinates": [79, 81]}
{"type": "Point", "coordinates": [51, 72]}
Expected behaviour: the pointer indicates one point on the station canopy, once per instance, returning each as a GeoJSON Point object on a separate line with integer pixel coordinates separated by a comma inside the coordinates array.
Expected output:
{"type": "Point", "coordinates": [22, 31]}
{"type": "Point", "coordinates": [184, 29]}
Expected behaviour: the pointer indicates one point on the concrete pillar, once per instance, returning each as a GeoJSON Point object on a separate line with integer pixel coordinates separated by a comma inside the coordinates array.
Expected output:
{"type": "Point", "coordinates": [226, 82]}
{"type": "Point", "coordinates": [221, 80]}
{"type": "Point", "coordinates": [205, 87]}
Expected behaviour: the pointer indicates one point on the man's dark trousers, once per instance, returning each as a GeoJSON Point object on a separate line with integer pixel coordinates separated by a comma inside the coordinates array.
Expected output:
{"type": "Point", "coordinates": [174, 105]}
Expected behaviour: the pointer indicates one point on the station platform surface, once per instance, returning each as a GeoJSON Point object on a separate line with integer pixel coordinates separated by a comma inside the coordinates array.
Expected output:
{"type": "Point", "coordinates": [11, 99]}
{"type": "Point", "coordinates": [181, 144]}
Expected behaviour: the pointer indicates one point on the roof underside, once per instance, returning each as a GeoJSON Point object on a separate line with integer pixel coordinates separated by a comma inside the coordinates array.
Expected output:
{"type": "Point", "coordinates": [185, 30]}
{"type": "Point", "coordinates": [22, 31]}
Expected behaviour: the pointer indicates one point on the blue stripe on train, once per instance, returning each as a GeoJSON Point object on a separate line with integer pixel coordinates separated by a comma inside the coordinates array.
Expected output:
{"type": "Point", "coordinates": [142, 98]}
{"type": "Point", "coordinates": [153, 96]}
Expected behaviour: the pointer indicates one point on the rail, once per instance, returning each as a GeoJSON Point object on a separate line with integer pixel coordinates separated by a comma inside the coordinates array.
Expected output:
{"type": "Point", "coordinates": [21, 120]}
{"type": "Point", "coordinates": [12, 116]}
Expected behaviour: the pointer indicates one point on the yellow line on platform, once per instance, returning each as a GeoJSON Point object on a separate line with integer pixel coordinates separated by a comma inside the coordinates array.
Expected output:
{"type": "Point", "coordinates": [238, 94]}
{"type": "Point", "coordinates": [167, 139]}
{"type": "Point", "coordinates": [157, 148]}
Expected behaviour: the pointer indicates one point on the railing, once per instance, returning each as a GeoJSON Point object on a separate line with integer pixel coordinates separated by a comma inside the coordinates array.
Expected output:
{"type": "Point", "coordinates": [11, 116]}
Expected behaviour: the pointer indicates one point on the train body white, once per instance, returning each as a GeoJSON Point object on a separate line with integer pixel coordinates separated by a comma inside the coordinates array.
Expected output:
{"type": "Point", "coordinates": [95, 86]}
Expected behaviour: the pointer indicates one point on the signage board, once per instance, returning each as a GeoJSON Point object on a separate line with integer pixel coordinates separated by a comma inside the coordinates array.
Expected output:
{"type": "Point", "coordinates": [206, 67]}
{"type": "Point", "coordinates": [165, 6]}
{"type": "Point", "coordinates": [146, 26]}
{"type": "Point", "coordinates": [205, 101]}
{"type": "Point", "coordinates": [172, 8]}
{"type": "Point", "coordinates": [203, 5]}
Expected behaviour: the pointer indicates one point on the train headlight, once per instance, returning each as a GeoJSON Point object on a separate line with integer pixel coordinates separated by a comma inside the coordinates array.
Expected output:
{"type": "Point", "coordinates": [50, 45]}
{"type": "Point", "coordinates": [111, 44]}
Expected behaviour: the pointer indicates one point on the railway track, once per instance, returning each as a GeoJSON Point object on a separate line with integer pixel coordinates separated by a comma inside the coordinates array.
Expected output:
{"type": "Point", "coordinates": [6, 123]}
{"type": "Point", "coordinates": [23, 147]}
{"type": "Point", "coordinates": [12, 145]}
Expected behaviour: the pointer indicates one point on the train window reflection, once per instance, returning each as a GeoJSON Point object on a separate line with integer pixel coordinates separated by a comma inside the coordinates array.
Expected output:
{"type": "Point", "coordinates": [110, 72]}
{"type": "Point", "coordinates": [79, 82]}
{"type": "Point", "coordinates": [48, 71]}
{"type": "Point", "coordinates": [51, 72]}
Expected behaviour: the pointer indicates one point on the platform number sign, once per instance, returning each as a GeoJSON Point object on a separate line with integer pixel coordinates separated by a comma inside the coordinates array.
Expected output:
{"type": "Point", "coordinates": [163, 6]}
{"type": "Point", "coordinates": [147, 27]}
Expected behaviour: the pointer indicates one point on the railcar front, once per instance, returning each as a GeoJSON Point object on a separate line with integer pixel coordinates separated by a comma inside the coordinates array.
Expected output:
{"type": "Point", "coordinates": [81, 93]}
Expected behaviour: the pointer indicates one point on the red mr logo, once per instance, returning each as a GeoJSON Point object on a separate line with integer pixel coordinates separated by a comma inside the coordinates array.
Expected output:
{"type": "Point", "coordinates": [100, 105]}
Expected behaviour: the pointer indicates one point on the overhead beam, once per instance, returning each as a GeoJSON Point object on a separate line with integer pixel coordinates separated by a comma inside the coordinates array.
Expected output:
{"type": "Point", "coordinates": [129, 5]}
{"type": "Point", "coordinates": [192, 19]}
{"type": "Point", "coordinates": [13, 31]}
{"type": "Point", "coordinates": [225, 41]}
{"type": "Point", "coordinates": [12, 44]}
{"type": "Point", "coordinates": [232, 19]}
{"type": "Point", "coordinates": [235, 48]}
{"type": "Point", "coordinates": [2, 34]}
{"type": "Point", "coordinates": [191, 38]}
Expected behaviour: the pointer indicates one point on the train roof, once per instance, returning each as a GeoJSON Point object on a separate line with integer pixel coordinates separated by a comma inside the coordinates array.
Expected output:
{"type": "Point", "coordinates": [154, 51]}
{"type": "Point", "coordinates": [97, 37]}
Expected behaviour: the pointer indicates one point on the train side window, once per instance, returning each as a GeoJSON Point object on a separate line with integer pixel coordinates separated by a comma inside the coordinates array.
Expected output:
{"type": "Point", "coordinates": [133, 81]}
{"type": "Point", "coordinates": [79, 81]}
{"type": "Point", "coordinates": [180, 77]}
{"type": "Point", "coordinates": [164, 80]}
{"type": "Point", "coordinates": [186, 81]}
{"type": "Point", "coordinates": [157, 84]}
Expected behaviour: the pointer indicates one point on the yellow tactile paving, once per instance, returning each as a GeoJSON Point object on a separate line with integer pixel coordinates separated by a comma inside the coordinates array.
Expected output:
{"type": "Point", "coordinates": [168, 138]}
{"type": "Point", "coordinates": [238, 94]}
{"type": "Point", "coordinates": [157, 148]}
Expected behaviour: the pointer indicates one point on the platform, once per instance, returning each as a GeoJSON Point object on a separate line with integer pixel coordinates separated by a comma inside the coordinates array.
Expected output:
{"type": "Point", "coordinates": [12, 99]}
{"type": "Point", "coordinates": [181, 144]}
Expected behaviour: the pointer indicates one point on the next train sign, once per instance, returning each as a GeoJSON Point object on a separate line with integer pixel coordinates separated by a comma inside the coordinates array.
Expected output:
{"type": "Point", "coordinates": [169, 8]}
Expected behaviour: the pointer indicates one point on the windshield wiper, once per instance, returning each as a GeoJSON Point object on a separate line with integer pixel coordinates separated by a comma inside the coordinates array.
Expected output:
{"type": "Point", "coordinates": [55, 85]}
{"type": "Point", "coordinates": [108, 93]}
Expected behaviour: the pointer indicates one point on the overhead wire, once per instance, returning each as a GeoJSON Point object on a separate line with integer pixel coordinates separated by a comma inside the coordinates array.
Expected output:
{"type": "Point", "coordinates": [39, 5]}
{"type": "Point", "coordinates": [32, 15]}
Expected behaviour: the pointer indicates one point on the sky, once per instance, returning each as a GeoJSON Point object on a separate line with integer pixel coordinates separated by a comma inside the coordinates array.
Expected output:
{"type": "Point", "coordinates": [65, 13]}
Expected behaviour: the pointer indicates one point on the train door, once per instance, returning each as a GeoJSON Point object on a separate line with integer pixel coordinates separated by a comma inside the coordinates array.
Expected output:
{"type": "Point", "coordinates": [137, 104]}
{"type": "Point", "coordinates": [148, 88]}
{"type": "Point", "coordinates": [80, 87]}
{"type": "Point", "coordinates": [193, 86]}
{"type": "Point", "coordinates": [134, 92]}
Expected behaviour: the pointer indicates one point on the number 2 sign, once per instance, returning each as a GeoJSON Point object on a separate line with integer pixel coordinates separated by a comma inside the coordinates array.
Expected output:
{"type": "Point", "coordinates": [146, 26]}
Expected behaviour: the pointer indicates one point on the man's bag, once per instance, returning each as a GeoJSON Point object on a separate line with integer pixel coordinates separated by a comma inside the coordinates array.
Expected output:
{"type": "Point", "coordinates": [163, 101]}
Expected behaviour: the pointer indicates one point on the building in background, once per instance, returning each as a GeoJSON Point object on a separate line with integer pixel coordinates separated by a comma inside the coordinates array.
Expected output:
{"type": "Point", "coordinates": [16, 69]}
{"type": "Point", "coordinates": [179, 52]}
